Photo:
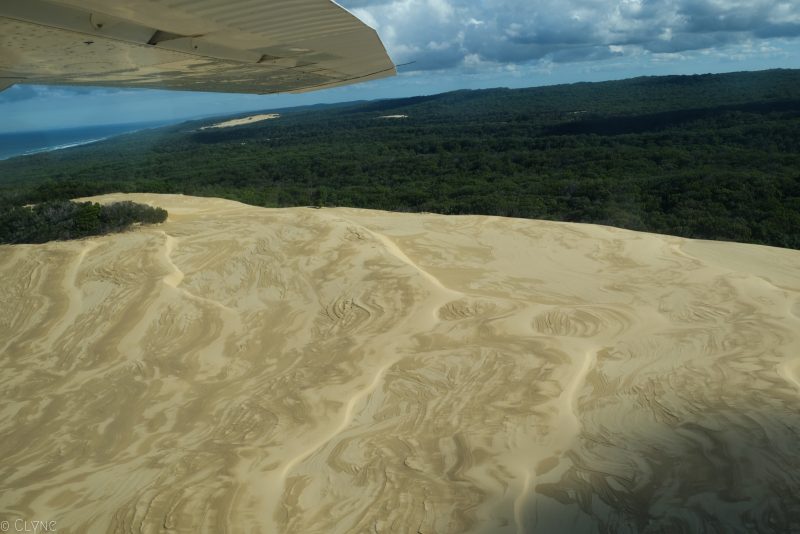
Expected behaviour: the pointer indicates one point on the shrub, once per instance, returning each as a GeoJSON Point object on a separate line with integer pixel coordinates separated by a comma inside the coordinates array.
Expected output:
{"type": "Point", "coordinates": [62, 219]}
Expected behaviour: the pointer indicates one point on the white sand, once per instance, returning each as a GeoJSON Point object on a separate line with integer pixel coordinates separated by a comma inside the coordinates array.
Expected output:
{"type": "Point", "coordinates": [239, 369]}
{"type": "Point", "coordinates": [245, 120]}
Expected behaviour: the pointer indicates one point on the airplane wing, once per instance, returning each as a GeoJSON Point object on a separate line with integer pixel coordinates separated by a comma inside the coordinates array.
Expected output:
{"type": "Point", "coordinates": [234, 46]}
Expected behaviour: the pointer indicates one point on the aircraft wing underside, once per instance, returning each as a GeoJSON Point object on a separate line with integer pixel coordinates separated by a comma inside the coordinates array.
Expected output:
{"type": "Point", "coordinates": [238, 46]}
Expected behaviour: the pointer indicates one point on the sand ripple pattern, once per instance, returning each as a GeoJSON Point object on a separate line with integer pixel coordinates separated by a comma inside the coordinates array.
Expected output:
{"type": "Point", "coordinates": [581, 322]}
{"type": "Point", "coordinates": [238, 369]}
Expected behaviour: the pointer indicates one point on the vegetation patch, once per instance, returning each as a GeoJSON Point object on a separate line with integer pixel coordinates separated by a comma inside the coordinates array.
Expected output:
{"type": "Point", "coordinates": [62, 219]}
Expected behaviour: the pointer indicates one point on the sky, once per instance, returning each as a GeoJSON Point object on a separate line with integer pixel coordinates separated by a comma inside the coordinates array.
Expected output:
{"type": "Point", "coordinates": [470, 44]}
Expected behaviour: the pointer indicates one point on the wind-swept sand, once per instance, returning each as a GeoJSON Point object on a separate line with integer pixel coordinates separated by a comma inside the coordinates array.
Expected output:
{"type": "Point", "coordinates": [245, 120]}
{"type": "Point", "coordinates": [238, 369]}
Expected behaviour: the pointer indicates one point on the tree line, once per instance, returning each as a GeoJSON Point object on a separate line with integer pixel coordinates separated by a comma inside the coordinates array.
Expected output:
{"type": "Point", "coordinates": [61, 219]}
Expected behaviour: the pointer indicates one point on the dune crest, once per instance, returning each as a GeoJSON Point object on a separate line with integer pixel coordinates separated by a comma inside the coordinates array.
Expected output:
{"type": "Point", "coordinates": [239, 369]}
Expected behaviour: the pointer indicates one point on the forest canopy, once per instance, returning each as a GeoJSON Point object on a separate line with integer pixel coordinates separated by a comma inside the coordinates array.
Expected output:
{"type": "Point", "coordinates": [62, 219]}
{"type": "Point", "coordinates": [705, 156]}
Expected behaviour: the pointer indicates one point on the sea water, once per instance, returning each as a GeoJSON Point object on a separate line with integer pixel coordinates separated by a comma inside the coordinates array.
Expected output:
{"type": "Point", "coordinates": [26, 143]}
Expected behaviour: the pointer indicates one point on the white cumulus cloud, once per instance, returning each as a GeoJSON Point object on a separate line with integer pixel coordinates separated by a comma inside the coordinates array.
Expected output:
{"type": "Point", "coordinates": [441, 34]}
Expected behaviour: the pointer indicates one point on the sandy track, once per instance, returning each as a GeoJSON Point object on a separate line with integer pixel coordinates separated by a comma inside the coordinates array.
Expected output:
{"type": "Point", "coordinates": [246, 370]}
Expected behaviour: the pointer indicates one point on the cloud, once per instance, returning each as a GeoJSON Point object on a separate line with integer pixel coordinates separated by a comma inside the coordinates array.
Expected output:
{"type": "Point", "coordinates": [443, 34]}
{"type": "Point", "coordinates": [20, 93]}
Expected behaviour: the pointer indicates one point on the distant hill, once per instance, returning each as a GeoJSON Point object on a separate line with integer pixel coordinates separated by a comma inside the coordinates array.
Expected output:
{"type": "Point", "coordinates": [709, 156]}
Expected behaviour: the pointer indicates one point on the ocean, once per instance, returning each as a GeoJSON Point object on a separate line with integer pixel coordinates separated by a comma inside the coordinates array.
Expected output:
{"type": "Point", "coordinates": [26, 143]}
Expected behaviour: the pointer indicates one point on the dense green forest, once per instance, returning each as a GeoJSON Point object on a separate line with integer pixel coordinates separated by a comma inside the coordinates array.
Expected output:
{"type": "Point", "coordinates": [61, 219]}
{"type": "Point", "coordinates": [710, 156]}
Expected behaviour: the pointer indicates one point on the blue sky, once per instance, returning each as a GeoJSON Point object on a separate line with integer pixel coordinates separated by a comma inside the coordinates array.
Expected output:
{"type": "Point", "coordinates": [457, 44]}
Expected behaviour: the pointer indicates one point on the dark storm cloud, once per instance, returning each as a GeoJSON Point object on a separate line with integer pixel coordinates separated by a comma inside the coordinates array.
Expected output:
{"type": "Point", "coordinates": [440, 34]}
{"type": "Point", "coordinates": [779, 30]}
{"type": "Point", "coordinates": [684, 42]}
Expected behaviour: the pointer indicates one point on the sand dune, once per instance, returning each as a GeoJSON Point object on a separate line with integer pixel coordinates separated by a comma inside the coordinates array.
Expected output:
{"type": "Point", "coordinates": [238, 369]}
{"type": "Point", "coordinates": [245, 120]}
